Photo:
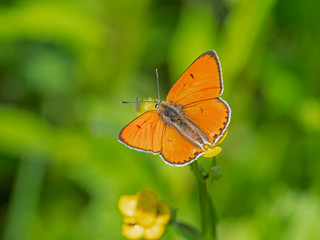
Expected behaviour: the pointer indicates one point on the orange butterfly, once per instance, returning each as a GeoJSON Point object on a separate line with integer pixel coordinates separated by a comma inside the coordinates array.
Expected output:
{"type": "Point", "coordinates": [192, 115]}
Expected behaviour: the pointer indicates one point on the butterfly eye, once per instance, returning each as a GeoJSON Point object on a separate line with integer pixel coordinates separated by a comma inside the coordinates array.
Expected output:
{"type": "Point", "coordinates": [157, 104]}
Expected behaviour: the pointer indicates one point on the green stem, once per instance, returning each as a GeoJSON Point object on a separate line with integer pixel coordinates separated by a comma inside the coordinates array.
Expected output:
{"type": "Point", "coordinates": [24, 200]}
{"type": "Point", "coordinates": [208, 215]}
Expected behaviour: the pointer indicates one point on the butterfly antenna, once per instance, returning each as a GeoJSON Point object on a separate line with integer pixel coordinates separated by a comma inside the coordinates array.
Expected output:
{"type": "Point", "coordinates": [157, 73]}
{"type": "Point", "coordinates": [136, 101]}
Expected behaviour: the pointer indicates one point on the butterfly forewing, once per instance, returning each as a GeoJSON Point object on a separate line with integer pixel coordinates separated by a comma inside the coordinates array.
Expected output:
{"type": "Point", "coordinates": [201, 81]}
{"type": "Point", "coordinates": [144, 133]}
{"type": "Point", "coordinates": [210, 116]}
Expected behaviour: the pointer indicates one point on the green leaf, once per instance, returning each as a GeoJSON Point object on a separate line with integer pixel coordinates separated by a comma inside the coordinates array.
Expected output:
{"type": "Point", "coordinates": [187, 231]}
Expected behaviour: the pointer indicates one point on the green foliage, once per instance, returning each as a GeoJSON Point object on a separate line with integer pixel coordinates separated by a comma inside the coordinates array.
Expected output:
{"type": "Point", "coordinates": [66, 65]}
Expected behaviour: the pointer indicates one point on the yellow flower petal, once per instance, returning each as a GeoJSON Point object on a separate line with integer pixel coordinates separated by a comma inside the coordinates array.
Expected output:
{"type": "Point", "coordinates": [145, 106]}
{"type": "Point", "coordinates": [129, 221]}
{"type": "Point", "coordinates": [163, 213]}
{"type": "Point", "coordinates": [154, 232]}
{"type": "Point", "coordinates": [211, 151]}
{"type": "Point", "coordinates": [132, 231]}
{"type": "Point", "coordinates": [146, 211]}
{"type": "Point", "coordinates": [127, 205]}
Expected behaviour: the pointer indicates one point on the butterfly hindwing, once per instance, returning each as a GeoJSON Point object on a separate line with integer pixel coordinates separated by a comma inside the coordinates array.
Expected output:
{"type": "Point", "coordinates": [176, 149]}
{"type": "Point", "coordinates": [210, 116]}
{"type": "Point", "coordinates": [144, 133]}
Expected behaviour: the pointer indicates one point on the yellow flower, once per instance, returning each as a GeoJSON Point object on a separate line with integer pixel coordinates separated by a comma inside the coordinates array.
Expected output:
{"type": "Point", "coordinates": [144, 215]}
{"type": "Point", "coordinates": [214, 150]}
{"type": "Point", "coordinates": [145, 106]}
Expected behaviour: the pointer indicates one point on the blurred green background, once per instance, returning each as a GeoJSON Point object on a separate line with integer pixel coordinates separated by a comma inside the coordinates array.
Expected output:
{"type": "Point", "coordinates": [66, 65]}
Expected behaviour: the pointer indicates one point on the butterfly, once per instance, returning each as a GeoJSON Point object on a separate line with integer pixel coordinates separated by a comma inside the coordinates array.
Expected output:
{"type": "Point", "coordinates": [192, 115]}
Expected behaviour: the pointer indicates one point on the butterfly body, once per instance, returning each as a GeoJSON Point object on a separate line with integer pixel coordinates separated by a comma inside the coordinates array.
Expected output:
{"type": "Point", "coordinates": [192, 115]}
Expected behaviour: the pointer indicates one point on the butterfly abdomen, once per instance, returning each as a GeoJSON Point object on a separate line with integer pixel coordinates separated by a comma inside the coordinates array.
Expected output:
{"type": "Point", "coordinates": [172, 114]}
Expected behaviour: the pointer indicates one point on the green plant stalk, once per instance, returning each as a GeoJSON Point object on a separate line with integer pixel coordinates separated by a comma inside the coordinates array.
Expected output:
{"type": "Point", "coordinates": [208, 215]}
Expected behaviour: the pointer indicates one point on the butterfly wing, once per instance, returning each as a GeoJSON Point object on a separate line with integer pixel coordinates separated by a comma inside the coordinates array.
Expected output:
{"type": "Point", "coordinates": [144, 133]}
{"type": "Point", "coordinates": [201, 81]}
{"type": "Point", "coordinates": [212, 117]}
{"type": "Point", "coordinates": [177, 150]}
